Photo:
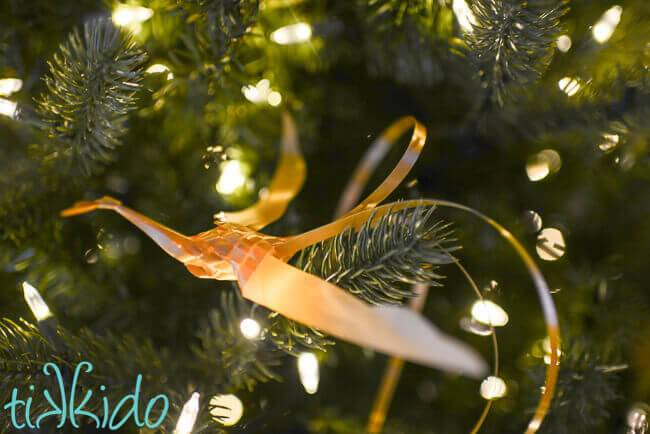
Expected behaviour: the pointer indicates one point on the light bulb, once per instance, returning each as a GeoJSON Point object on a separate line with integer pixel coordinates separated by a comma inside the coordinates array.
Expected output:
{"type": "Point", "coordinates": [563, 43]}
{"type": "Point", "coordinates": [226, 409]}
{"type": "Point", "coordinates": [158, 68]}
{"type": "Point", "coordinates": [187, 419]}
{"type": "Point", "coordinates": [36, 303]}
{"type": "Point", "coordinates": [550, 244]}
{"type": "Point", "coordinates": [569, 85]}
{"type": "Point", "coordinates": [250, 328]}
{"type": "Point", "coordinates": [464, 15]}
{"type": "Point", "coordinates": [292, 34]}
{"type": "Point", "coordinates": [489, 313]}
{"type": "Point", "coordinates": [8, 108]}
{"type": "Point", "coordinates": [308, 371]}
{"type": "Point", "coordinates": [493, 388]}
{"type": "Point", "coordinates": [232, 177]}
{"type": "Point", "coordinates": [10, 85]}
{"type": "Point", "coordinates": [605, 26]}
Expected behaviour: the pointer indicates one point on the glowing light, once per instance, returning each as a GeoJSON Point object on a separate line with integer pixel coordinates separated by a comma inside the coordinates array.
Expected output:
{"type": "Point", "coordinates": [8, 108]}
{"type": "Point", "coordinates": [292, 34]}
{"type": "Point", "coordinates": [550, 244]}
{"type": "Point", "coordinates": [637, 418]}
{"type": "Point", "coordinates": [250, 328]}
{"type": "Point", "coordinates": [226, 409]}
{"type": "Point", "coordinates": [607, 23]}
{"type": "Point", "coordinates": [158, 68]}
{"type": "Point", "coordinates": [533, 221]}
{"type": "Point", "coordinates": [493, 388]}
{"type": "Point", "coordinates": [10, 85]}
{"type": "Point", "coordinates": [308, 370]}
{"type": "Point", "coordinates": [258, 93]}
{"type": "Point", "coordinates": [464, 15]}
{"type": "Point", "coordinates": [131, 16]}
{"type": "Point", "coordinates": [232, 177]}
{"type": "Point", "coordinates": [274, 99]}
{"type": "Point", "coordinates": [569, 85]}
{"type": "Point", "coordinates": [542, 164]}
{"type": "Point", "coordinates": [36, 302]}
{"type": "Point", "coordinates": [563, 43]}
{"type": "Point", "coordinates": [187, 419]}
{"type": "Point", "coordinates": [611, 140]}
{"type": "Point", "coordinates": [489, 313]}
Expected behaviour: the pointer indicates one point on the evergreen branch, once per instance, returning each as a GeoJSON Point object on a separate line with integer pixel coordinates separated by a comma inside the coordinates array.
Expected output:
{"type": "Point", "coordinates": [91, 87]}
{"type": "Point", "coordinates": [379, 262]}
{"type": "Point", "coordinates": [513, 41]}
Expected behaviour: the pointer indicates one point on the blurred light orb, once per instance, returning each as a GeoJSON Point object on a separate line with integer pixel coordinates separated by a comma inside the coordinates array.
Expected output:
{"type": "Point", "coordinates": [274, 99]}
{"type": "Point", "coordinates": [637, 418]}
{"type": "Point", "coordinates": [8, 108]}
{"type": "Point", "coordinates": [569, 85]}
{"type": "Point", "coordinates": [36, 303]}
{"type": "Point", "coordinates": [550, 244]}
{"type": "Point", "coordinates": [232, 177]}
{"type": "Point", "coordinates": [226, 409]}
{"type": "Point", "coordinates": [493, 388]}
{"type": "Point", "coordinates": [10, 85]}
{"type": "Point", "coordinates": [609, 143]}
{"type": "Point", "coordinates": [563, 43]}
{"type": "Point", "coordinates": [464, 15]}
{"type": "Point", "coordinates": [292, 34]}
{"type": "Point", "coordinates": [607, 23]}
{"type": "Point", "coordinates": [540, 165]}
{"type": "Point", "coordinates": [489, 313]}
{"type": "Point", "coordinates": [159, 68]}
{"type": "Point", "coordinates": [308, 371]}
{"type": "Point", "coordinates": [250, 328]}
{"type": "Point", "coordinates": [125, 15]}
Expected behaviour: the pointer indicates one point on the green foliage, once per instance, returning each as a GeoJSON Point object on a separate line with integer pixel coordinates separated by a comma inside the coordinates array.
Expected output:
{"type": "Point", "coordinates": [380, 261]}
{"type": "Point", "coordinates": [513, 41]}
{"type": "Point", "coordinates": [91, 88]}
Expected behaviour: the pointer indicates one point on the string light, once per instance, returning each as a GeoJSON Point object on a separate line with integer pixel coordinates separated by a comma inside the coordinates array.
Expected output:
{"type": "Point", "coordinates": [8, 108]}
{"type": "Point", "coordinates": [292, 34]}
{"type": "Point", "coordinates": [232, 177]}
{"type": "Point", "coordinates": [274, 99]}
{"type": "Point", "coordinates": [550, 244]}
{"type": "Point", "coordinates": [542, 164]}
{"type": "Point", "coordinates": [569, 85]}
{"type": "Point", "coordinates": [10, 85]}
{"type": "Point", "coordinates": [464, 15]}
{"type": "Point", "coordinates": [226, 409]}
{"type": "Point", "coordinates": [493, 388]}
{"type": "Point", "coordinates": [131, 16]}
{"type": "Point", "coordinates": [563, 43]}
{"type": "Point", "coordinates": [308, 371]}
{"type": "Point", "coordinates": [250, 328]}
{"type": "Point", "coordinates": [611, 140]}
{"type": "Point", "coordinates": [36, 303]}
{"type": "Point", "coordinates": [187, 419]}
{"type": "Point", "coordinates": [607, 23]}
{"type": "Point", "coordinates": [158, 68]}
{"type": "Point", "coordinates": [489, 313]}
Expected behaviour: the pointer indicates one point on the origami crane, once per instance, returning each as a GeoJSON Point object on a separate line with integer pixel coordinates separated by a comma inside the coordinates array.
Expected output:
{"type": "Point", "coordinates": [235, 250]}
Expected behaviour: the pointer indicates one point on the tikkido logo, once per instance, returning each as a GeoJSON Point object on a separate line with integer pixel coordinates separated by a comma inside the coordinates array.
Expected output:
{"type": "Point", "coordinates": [69, 411]}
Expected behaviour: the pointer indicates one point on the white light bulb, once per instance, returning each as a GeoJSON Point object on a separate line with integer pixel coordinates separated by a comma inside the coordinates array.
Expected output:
{"type": "Point", "coordinates": [131, 16]}
{"type": "Point", "coordinates": [250, 328]}
{"type": "Point", "coordinates": [464, 15]}
{"type": "Point", "coordinates": [563, 43]}
{"type": "Point", "coordinates": [232, 177]}
{"type": "Point", "coordinates": [158, 68]}
{"type": "Point", "coordinates": [258, 93]}
{"type": "Point", "coordinates": [8, 108]}
{"type": "Point", "coordinates": [487, 312]}
{"type": "Point", "coordinates": [10, 85]}
{"type": "Point", "coordinates": [550, 244]}
{"type": "Point", "coordinates": [292, 34]}
{"type": "Point", "coordinates": [569, 85]}
{"type": "Point", "coordinates": [226, 409]}
{"type": "Point", "coordinates": [36, 303]}
{"type": "Point", "coordinates": [493, 388]}
{"type": "Point", "coordinates": [605, 26]}
{"type": "Point", "coordinates": [308, 371]}
{"type": "Point", "coordinates": [187, 419]}
{"type": "Point", "coordinates": [274, 99]}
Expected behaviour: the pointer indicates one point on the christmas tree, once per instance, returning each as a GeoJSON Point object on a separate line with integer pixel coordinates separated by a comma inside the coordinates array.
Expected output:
{"type": "Point", "coordinates": [536, 114]}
